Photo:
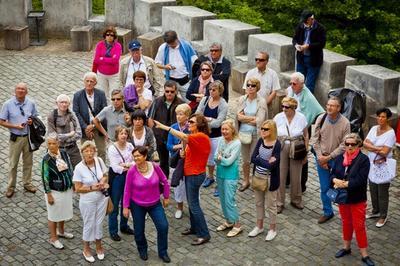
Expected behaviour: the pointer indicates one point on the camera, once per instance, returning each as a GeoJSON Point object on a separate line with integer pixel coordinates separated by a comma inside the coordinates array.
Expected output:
{"type": "Point", "coordinates": [105, 192]}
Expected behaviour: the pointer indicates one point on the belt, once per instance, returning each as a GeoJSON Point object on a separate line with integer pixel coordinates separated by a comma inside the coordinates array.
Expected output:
{"type": "Point", "coordinates": [181, 81]}
{"type": "Point", "coordinates": [25, 135]}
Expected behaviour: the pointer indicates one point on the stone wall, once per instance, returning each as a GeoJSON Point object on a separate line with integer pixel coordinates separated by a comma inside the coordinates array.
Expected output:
{"type": "Point", "coordinates": [14, 12]}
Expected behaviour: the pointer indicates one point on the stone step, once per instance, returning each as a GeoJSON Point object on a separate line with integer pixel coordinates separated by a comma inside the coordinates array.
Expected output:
{"type": "Point", "coordinates": [187, 21]}
{"type": "Point", "coordinates": [156, 29]}
{"type": "Point", "coordinates": [241, 59]}
{"type": "Point", "coordinates": [231, 33]}
{"type": "Point", "coordinates": [148, 14]}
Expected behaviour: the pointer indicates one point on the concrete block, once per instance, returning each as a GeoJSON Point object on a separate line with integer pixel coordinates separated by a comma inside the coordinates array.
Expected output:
{"type": "Point", "coordinates": [98, 23]}
{"type": "Point", "coordinates": [232, 34]}
{"type": "Point", "coordinates": [187, 21]}
{"type": "Point", "coordinates": [120, 13]}
{"type": "Point", "coordinates": [150, 42]}
{"type": "Point", "coordinates": [124, 37]}
{"type": "Point", "coordinates": [16, 38]}
{"type": "Point", "coordinates": [81, 38]}
{"type": "Point", "coordinates": [279, 47]}
{"type": "Point", "coordinates": [148, 13]}
{"type": "Point", "coordinates": [200, 47]}
{"type": "Point", "coordinates": [284, 79]}
{"type": "Point", "coordinates": [62, 15]}
{"type": "Point", "coordinates": [14, 13]}
{"type": "Point", "coordinates": [238, 75]}
{"type": "Point", "coordinates": [379, 83]}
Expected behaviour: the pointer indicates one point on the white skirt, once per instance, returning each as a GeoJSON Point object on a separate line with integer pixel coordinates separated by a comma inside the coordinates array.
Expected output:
{"type": "Point", "coordinates": [61, 210]}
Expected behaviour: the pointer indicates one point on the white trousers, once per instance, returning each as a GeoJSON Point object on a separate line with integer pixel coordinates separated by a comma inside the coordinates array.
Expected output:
{"type": "Point", "coordinates": [107, 83]}
{"type": "Point", "coordinates": [93, 213]}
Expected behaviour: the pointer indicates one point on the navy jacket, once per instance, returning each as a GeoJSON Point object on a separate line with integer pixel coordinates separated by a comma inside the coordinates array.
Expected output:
{"type": "Point", "coordinates": [81, 108]}
{"type": "Point", "coordinates": [357, 175]}
{"type": "Point", "coordinates": [317, 43]}
{"type": "Point", "coordinates": [273, 167]}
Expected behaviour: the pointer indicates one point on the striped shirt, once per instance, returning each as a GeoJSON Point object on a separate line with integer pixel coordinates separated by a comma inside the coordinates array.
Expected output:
{"type": "Point", "coordinates": [265, 153]}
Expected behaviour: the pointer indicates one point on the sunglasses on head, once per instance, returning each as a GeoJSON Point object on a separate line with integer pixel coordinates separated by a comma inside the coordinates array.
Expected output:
{"type": "Point", "coordinates": [260, 59]}
{"type": "Point", "coordinates": [264, 129]}
{"type": "Point", "coordinates": [350, 144]}
{"type": "Point", "coordinates": [251, 85]}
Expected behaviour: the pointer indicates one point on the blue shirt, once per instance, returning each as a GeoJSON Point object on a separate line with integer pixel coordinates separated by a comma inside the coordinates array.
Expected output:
{"type": "Point", "coordinates": [17, 113]}
{"type": "Point", "coordinates": [172, 140]}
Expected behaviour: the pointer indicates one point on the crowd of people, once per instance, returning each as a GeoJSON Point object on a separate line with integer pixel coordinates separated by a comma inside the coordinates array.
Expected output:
{"type": "Point", "coordinates": [176, 106]}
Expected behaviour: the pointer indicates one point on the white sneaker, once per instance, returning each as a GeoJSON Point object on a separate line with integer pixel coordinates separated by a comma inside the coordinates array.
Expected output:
{"type": "Point", "coordinates": [57, 244]}
{"type": "Point", "coordinates": [255, 232]}
{"type": "Point", "coordinates": [178, 214]}
{"type": "Point", "coordinates": [100, 256]}
{"type": "Point", "coordinates": [65, 235]}
{"type": "Point", "coordinates": [271, 235]}
{"type": "Point", "coordinates": [88, 258]}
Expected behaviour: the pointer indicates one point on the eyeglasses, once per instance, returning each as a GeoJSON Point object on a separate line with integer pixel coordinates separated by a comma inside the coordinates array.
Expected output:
{"type": "Point", "coordinates": [22, 111]}
{"type": "Point", "coordinates": [251, 85]}
{"type": "Point", "coordinates": [260, 59]}
{"type": "Point", "coordinates": [110, 34]}
{"type": "Point", "coordinates": [191, 122]}
{"type": "Point", "coordinates": [116, 99]}
{"type": "Point", "coordinates": [293, 83]}
{"type": "Point", "coordinates": [348, 144]}
{"type": "Point", "coordinates": [285, 106]}
{"type": "Point", "coordinates": [169, 91]}
{"type": "Point", "coordinates": [214, 50]}
{"type": "Point", "coordinates": [205, 69]}
{"type": "Point", "coordinates": [264, 129]}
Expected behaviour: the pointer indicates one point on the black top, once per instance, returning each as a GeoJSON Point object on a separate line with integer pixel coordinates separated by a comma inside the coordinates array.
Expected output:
{"type": "Point", "coordinates": [357, 175]}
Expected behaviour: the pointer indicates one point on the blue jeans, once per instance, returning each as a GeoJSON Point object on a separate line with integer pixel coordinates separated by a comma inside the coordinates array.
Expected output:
{"type": "Point", "coordinates": [325, 182]}
{"type": "Point", "coordinates": [198, 222]}
{"type": "Point", "coordinates": [310, 72]}
{"type": "Point", "coordinates": [227, 196]}
{"type": "Point", "coordinates": [117, 193]}
{"type": "Point", "coordinates": [160, 221]}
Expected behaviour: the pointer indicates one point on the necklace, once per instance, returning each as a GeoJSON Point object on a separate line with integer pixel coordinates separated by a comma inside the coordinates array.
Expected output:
{"type": "Point", "coordinates": [145, 169]}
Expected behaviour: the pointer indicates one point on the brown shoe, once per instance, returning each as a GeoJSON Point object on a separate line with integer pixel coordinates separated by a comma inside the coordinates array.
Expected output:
{"type": "Point", "coordinates": [30, 188]}
{"type": "Point", "coordinates": [9, 193]}
{"type": "Point", "coordinates": [297, 206]}
{"type": "Point", "coordinates": [244, 187]}
{"type": "Point", "coordinates": [324, 219]}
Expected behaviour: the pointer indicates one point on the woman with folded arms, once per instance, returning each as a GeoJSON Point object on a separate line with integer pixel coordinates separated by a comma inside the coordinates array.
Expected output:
{"type": "Point", "coordinates": [91, 182]}
{"type": "Point", "coordinates": [57, 181]}
{"type": "Point", "coordinates": [141, 197]}
{"type": "Point", "coordinates": [266, 159]}
{"type": "Point", "coordinates": [350, 172]}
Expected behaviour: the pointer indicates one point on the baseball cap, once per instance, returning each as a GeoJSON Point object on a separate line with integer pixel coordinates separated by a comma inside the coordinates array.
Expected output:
{"type": "Point", "coordinates": [134, 45]}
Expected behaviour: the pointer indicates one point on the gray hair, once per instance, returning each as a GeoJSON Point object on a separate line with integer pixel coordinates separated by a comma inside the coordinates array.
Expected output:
{"type": "Point", "coordinates": [63, 97]}
{"type": "Point", "coordinates": [216, 45]}
{"type": "Point", "coordinates": [266, 54]}
{"type": "Point", "coordinates": [90, 75]}
{"type": "Point", "coordinates": [298, 76]}
{"type": "Point", "coordinates": [354, 136]}
{"type": "Point", "coordinates": [337, 99]}
{"type": "Point", "coordinates": [52, 136]}
{"type": "Point", "coordinates": [88, 144]}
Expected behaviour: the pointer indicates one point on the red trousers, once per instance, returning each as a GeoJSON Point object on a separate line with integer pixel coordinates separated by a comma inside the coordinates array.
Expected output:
{"type": "Point", "coordinates": [353, 220]}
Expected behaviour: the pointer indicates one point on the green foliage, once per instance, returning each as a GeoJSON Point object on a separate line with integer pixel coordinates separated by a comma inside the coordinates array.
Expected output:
{"type": "Point", "coordinates": [37, 5]}
{"type": "Point", "coordinates": [368, 30]}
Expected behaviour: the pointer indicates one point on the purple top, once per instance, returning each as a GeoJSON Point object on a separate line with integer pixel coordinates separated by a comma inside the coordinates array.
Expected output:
{"type": "Point", "coordinates": [144, 191]}
{"type": "Point", "coordinates": [130, 96]}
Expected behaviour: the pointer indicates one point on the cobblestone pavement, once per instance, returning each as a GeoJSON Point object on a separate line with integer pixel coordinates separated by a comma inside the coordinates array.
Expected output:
{"type": "Point", "coordinates": [23, 219]}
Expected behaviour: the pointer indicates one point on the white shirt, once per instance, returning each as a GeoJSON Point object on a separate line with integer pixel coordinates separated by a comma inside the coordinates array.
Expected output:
{"type": "Point", "coordinates": [91, 103]}
{"type": "Point", "coordinates": [147, 95]}
{"type": "Point", "coordinates": [268, 81]}
{"type": "Point", "coordinates": [89, 177]}
{"type": "Point", "coordinates": [115, 158]}
{"type": "Point", "coordinates": [387, 139]}
{"type": "Point", "coordinates": [132, 68]}
{"type": "Point", "coordinates": [296, 126]}
{"type": "Point", "coordinates": [139, 141]}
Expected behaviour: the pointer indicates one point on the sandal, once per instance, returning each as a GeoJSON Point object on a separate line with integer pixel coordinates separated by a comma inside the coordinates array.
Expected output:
{"type": "Point", "coordinates": [224, 226]}
{"type": "Point", "coordinates": [234, 232]}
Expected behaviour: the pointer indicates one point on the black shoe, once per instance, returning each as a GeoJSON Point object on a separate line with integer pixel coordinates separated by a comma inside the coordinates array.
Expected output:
{"type": "Point", "coordinates": [144, 256]}
{"type": "Point", "coordinates": [128, 231]}
{"type": "Point", "coordinates": [165, 258]}
{"type": "Point", "coordinates": [188, 232]}
{"type": "Point", "coordinates": [367, 260]}
{"type": "Point", "coordinates": [342, 252]}
{"type": "Point", "coordinates": [115, 237]}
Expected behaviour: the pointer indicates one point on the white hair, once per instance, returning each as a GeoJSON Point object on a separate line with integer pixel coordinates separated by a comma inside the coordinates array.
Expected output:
{"type": "Point", "coordinates": [52, 136]}
{"type": "Point", "coordinates": [90, 75]}
{"type": "Point", "coordinates": [63, 97]}
{"type": "Point", "coordinates": [298, 76]}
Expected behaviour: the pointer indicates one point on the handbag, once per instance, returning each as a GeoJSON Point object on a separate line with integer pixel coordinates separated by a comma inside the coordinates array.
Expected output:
{"type": "Point", "coordinates": [298, 149]}
{"type": "Point", "coordinates": [177, 175]}
{"type": "Point", "coordinates": [110, 206]}
{"type": "Point", "coordinates": [174, 158]}
{"type": "Point", "coordinates": [260, 182]}
{"type": "Point", "coordinates": [337, 195]}
{"type": "Point", "coordinates": [381, 173]}
{"type": "Point", "coordinates": [245, 137]}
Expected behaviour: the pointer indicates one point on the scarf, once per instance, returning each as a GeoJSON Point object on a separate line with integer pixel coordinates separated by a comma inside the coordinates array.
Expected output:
{"type": "Point", "coordinates": [108, 49]}
{"type": "Point", "coordinates": [348, 158]}
{"type": "Point", "coordinates": [186, 51]}
{"type": "Point", "coordinates": [203, 84]}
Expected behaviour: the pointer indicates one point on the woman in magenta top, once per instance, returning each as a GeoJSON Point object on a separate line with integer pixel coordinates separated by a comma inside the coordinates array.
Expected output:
{"type": "Point", "coordinates": [142, 196]}
{"type": "Point", "coordinates": [106, 61]}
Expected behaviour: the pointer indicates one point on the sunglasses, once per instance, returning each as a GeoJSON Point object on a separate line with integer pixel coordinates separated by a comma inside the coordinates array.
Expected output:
{"type": "Point", "coordinates": [191, 122]}
{"type": "Point", "coordinates": [167, 91]}
{"type": "Point", "coordinates": [285, 107]}
{"type": "Point", "coordinates": [348, 144]}
{"type": "Point", "coordinates": [116, 99]}
{"type": "Point", "coordinates": [260, 59]}
{"type": "Point", "coordinates": [251, 85]}
{"type": "Point", "coordinates": [264, 129]}
{"type": "Point", "coordinates": [292, 83]}
{"type": "Point", "coordinates": [206, 69]}
{"type": "Point", "coordinates": [22, 111]}
{"type": "Point", "coordinates": [110, 34]}
{"type": "Point", "coordinates": [214, 50]}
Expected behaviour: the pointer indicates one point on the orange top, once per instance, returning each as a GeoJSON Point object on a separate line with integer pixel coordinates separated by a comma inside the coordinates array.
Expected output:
{"type": "Point", "coordinates": [197, 150]}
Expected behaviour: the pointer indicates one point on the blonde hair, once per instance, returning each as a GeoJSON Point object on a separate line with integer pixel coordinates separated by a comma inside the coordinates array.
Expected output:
{"type": "Point", "coordinates": [354, 136]}
{"type": "Point", "coordinates": [88, 144]}
{"type": "Point", "coordinates": [272, 127]}
{"type": "Point", "coordinates": [254, 81]}
{"type": "Point", "coordinates": [184, 108]}
{"type": "Point", "coordinates": [291, 101]}
{"type": "Point", "coordinates": [231, 124]}
{"type": "Point", "coordinates": [218, 85]}
{"type": "Point", "coordinates": [118, 131]}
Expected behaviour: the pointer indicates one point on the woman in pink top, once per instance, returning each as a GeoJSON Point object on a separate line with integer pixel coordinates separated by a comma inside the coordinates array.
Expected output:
{"type": "Point", "coordinates": [142, 196]}
{"type": "Point", "coordinates": [106, 61]}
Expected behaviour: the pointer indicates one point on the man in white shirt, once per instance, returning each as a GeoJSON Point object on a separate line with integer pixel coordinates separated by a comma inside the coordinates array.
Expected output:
{"type": "Point", "coordinates": [176, 58]}
{"type": "Point", "coordinates": [269, 82]}
{"type": "Point", "coordinates": [137, 61]}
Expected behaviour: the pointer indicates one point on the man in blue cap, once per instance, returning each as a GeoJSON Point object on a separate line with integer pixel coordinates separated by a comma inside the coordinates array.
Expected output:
{"type": "Point", "coordinates": [309, 40]}
{"type": "Point", "coordinates": [137, 61]}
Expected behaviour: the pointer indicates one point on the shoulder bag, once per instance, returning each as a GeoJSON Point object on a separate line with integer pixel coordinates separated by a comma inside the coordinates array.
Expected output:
{"type": "Point", "coordinates": [382, 171]}
{"type": "Point", "coordinates": [298, 149]}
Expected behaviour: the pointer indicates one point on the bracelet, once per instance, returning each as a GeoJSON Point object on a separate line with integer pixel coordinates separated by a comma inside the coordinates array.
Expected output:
{"type": "Point", "coordinates": [169, 129]}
